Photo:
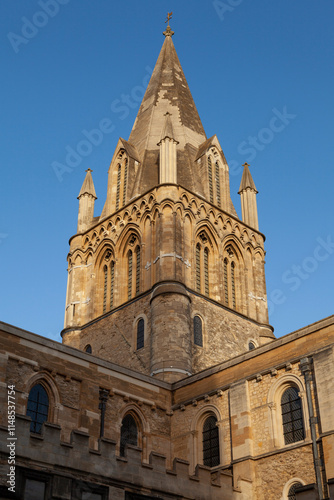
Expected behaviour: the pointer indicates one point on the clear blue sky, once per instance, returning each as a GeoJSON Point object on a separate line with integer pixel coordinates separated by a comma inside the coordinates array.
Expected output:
{"type": "Point", "coordinates": [246, 62]}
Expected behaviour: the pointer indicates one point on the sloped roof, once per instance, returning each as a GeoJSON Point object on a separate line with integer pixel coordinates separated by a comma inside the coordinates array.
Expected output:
{"type": "Point", "coordinates": [246, 180]}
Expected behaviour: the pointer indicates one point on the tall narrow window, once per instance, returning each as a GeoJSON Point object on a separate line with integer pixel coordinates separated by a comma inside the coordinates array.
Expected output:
{"type": "Point", "coordinates": [206, 271]}
{"type": "Point", "coordinates": [217, 183]}
{"type": "Point", "coordinates": [129, 433]}
{"type": "Point", "coordinates": [198, 268]}
{"type": "Point", "coordinates": [140, 333]}
{"type": "Point", "coordinates": [225, 282]}
{"type": "Point", "coordinates": [137, 270]}
{"type": "Point", "coordinates": [211, 453]}
{"type": "Point", "coordinates": [198, 331]}
{"type": "Point", "coordinates": [88, 349]}
{"type": "Point", "coordinates": [292, 416]}
{"type": "Point", "coordinates": [112, 280]}
{"type": "Point", "coordinates": [119, 172]}
{"type": "Point", "coordinates": [105, 288]}
{"type": "Point", "coordinates": [233, 283]}
{"type": "Point", "coordinates": [37, 408]}
{"type": "Point", "coordinates": [125, 181]}
{"type": "Point", "coordinates": [129, 274]}
{"type": "Point", "coordinates": [210, 179]}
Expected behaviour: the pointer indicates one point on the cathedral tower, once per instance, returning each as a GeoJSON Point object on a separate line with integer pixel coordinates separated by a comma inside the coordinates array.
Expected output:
{"type": "Point", "coordinates": [168, 280]}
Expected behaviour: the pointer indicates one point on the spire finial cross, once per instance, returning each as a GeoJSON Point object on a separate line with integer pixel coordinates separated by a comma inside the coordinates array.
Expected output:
{"type": "Point", "coordinates": [169, 16]}
{"type": "Point", "coordinates": [168, 31]}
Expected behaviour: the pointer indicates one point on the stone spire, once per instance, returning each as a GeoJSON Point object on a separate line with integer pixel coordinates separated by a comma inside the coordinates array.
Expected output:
{"type": "Point", "coordinates": [248, 193]}
{"type": "Point", "coordinates": [167, 91]}
{"type": "Point", "coordinates": [87, 197]}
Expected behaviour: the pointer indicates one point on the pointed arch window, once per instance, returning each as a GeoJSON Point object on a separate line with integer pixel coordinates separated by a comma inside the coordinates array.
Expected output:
{"type": "Point", "coordinates": [210, 435]}
{"type": "Point", "coordinates": [129, 433]}
{"type": "Point", "coordinates": [112, 283]}
{"type": "Point", "coordinates": [108, 278]}
{"type": "Point", "coordinates": [202, 264]}
{"type": "Point", "coordinates": [130, 262]}
{"type": "Point", "coordinates": [210, 178]}
{"type": "Point", "coordinates": [118, 189]}
{"type": "Point", "coordinates": [137, 270]}
{"type": "Point", "coordinates": [198, 268]}
{"type": "Point", "coordinates": [217, 179]}
{"type": "Point", "coordinates": [206, 271]}
{"type": "Point", "coordinates": [198, 331]}
{"type": "Point", "coordinates": [140, 333]}
{"type": "Point", "coordinates": [292, 416]}
{"type": "Point", "coordinates": [122, 179]}
{"type": "Point", "coordinates": [88, 349]}
{"type": "Point", "coordinates": [229, 269]}
{"type": "Point", "coordinates": [37, 408]}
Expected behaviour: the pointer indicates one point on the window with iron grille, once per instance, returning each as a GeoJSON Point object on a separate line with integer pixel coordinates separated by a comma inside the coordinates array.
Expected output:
{"type": "Point", "coordinates": [37, 408]}
{"type": "Point", "coordinates": [137, 270]}
{"type": "Point", "coordinates": [233, 283]}
{"type": "Point", "coordinates": [129, 274]}
{"type": "Point", "coordinates": [198, 331]}
{"type": "Point", "coordinates": [198, 268]}
{"type": "Point", "coordinates": [211, 455]}
{"type": "Point", "coordinates": [112, 279]}
{"type": "Point", "coordinates": [125, 180]}
{"type": "Point", "coordinates": [225, 282]}
{"type": "Point", "coordinates": [118, 186]}
{"type": "Point", "coordinates": [292, 491]}
{"type": "Point", "coordinates": [206, 271]}
{"type": "Point", "coordinates": [210, 179]}
{"type": "Point", "coordinates": [129, 433]}
{"type": "Point", "coordinates": [217, 183]}
{"type": "Point", "coordinates": [292, 416]}
{"type": "Point", "coordinates": [140, 333]}
{"type": "Point", "coordinates": [105, 288]}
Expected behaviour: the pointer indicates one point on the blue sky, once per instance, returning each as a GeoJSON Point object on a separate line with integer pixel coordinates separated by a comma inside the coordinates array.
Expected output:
{"type": "Point", "coordinates": [262, 75]}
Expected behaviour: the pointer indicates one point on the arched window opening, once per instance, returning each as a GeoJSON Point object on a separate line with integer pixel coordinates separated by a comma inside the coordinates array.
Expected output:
{"type": "Point", "coordinates": [210, 179]}
{"type": "Point", "coordinates": [206, 271]}
{"type": "Point", "coordinates": [217, 183]}
{"type": "Point", "coordinates": [140, 333]}
{"type": "Point", "coordinates": [119, 171]}
{"type": "Point", "coordinates": [198, 331]}
{"type": "Point", "coordinates": [112, 282]}
{"type": "Point", "coordinates": [292, 491]}
{"type": "Point", "coordinates": [198, 268]}
{"type": "Point", "coordinates": [211, 454]}
{"type": "Point", "coordinates": [225, 281]}
{"type": "Point", "coordinates": [292, 416]}
{"type": "Point", "coordinates": [129, 274]}
{"type": "Point", "coordinates": [37, 408]}
{"type": "Point", "coordinates": [137, 270]}
{"type": "Point", "coordinates": [129, 433]}
{"type": "Point", "coordinates": [88, 349]}
{"type": "Point", "coordinates": [125, 182]}
{"type": "Point", "coordinates": [233, 283]}
{"type": "Point", "coordinates": [251, 346]}
{"type": "Point", "coordinates": [105, 288]}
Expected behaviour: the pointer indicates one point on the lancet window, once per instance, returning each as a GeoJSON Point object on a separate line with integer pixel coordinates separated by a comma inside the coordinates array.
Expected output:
{"type": "Point", "coordinates": [38, 408]}
{"type": "Point", "coordinates": [129, 433]}
{"type": "Point", "coordinates": [211, 454]}
{"type": "Point", "coordinates": [122, 179]}
{"type": "Point", "coordinates": [214, 177]}
{"type": "Point", "coordinates": [134, 267]}
{"type": "Point", "coordinates": [229, 270]}
{"type": "Point", "coordinates": [203, 264]}
{"type": "Point", "coordinates": [108, 281]}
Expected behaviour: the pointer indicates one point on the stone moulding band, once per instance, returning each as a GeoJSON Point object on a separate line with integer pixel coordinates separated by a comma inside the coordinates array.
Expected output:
{"type": "Point", "coordinates": [171, 369]}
